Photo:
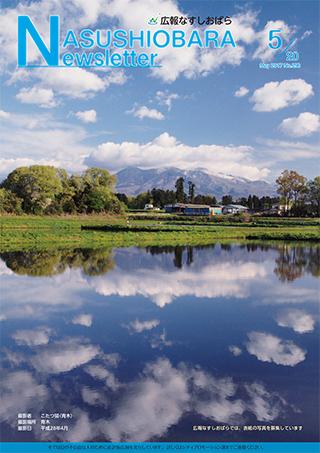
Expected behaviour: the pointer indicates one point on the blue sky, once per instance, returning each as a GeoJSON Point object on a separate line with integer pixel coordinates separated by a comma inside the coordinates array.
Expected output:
{"type": "Point", "coordinates": [190, 113]}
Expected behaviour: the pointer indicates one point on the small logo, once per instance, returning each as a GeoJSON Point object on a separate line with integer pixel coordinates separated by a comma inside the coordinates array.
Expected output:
{"type": "Point", "coordinates": [153, 21]}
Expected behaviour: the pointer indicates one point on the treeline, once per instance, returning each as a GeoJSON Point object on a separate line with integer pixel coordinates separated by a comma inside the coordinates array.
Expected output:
{"type": "Point", "coordinates": [297, 196]}
{"type": "Point", "coordinates": [159, 198]}
{"type": "Point", "coordinates": [42, 189]}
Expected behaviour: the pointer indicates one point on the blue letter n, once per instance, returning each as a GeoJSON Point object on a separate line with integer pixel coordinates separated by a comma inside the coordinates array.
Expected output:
{"type": "Point", "coordinates": [50, 56]}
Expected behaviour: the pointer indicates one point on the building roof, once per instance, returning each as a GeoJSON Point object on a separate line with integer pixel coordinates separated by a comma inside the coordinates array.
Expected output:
{"type": "Point", "coordinates": [187, 205]}
{"type": "Point", "coordinates": [235, 206]}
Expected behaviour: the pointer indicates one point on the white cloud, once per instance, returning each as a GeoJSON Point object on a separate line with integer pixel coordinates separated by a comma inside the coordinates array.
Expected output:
{"type": "Point", "coordinates": [36, 337]}
{"type": "Point", "coordinates": [87, 116]}
{"type": "Point", "coordinates": [298, 320]}
{"type": "Point", "coordinates": [242, 91]}
{"type": "Point", "coordinates": [44, 97]}
{"type": "Point", "coordinates": [304, 124]}
{"type": "Point", "coordinates": [78, 83]}
{"type": "Point", "coordinates": [166, 98]}
{"type": "Point", "coordinates": [144, 112]}
{"type": "Point", "coordinates": [64, 355]}
{"type": "Point", "coordinates": [269, 348]}
{"type": "Point", "coordinates": [24, 135]}
{"type": "Point", "coordinates": [282, 150]}
{"type": "Point", "coordinates": [4, 115]}
{"type": "Point", "coordinates": [277, 95]}
{"type": "Point", "coordinates": [166, 150]}
{"type": "Point", "coordinates": [83, 320]}
{"type": "Point", "coordinates": [140, 326]}
{"type": "Point", "coordinates": [235, 350]}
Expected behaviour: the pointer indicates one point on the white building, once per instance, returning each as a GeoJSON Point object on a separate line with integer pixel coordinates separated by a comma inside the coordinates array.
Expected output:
{"type": "Point", "coordinates": [234, 209]}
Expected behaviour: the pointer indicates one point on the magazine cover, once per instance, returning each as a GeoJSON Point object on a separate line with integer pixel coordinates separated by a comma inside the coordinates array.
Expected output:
{"type": "Point", "coordinates": [160, 226]}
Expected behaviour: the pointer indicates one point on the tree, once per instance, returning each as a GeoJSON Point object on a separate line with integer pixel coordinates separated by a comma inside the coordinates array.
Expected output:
{"type": "Point", "coordinates": [226, 199]}
{"type": "Point", "coordinates": [9, 202]}
{"type": "Point", "coordinates": [255, 203]}
{"type": "Point", "coordinates": [47, 190]}
{"type": "Point", "coordinates": [140, 200]}
{"type": "Point", "coordinates": [313, 195]}
{"type": "Point", "coordinates": [291, 186]}
{"type": "Point", "coordinates": [98, 193]}
{"type": "Point", "coordinates": [205, 199]}
{"type": "Point", "coordinates": [99, 177]}
{"type": "Point", "coordinates": [179, 185]}
{"type": "Point", "coordinates": [191, 190]}
{"type": "Point", "coordinates": [37, 186]}
{"type": "Point", "coordinates": [123, 198]}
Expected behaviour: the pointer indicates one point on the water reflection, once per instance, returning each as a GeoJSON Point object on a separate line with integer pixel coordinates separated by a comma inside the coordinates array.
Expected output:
{"type": "Point", "coordinates": [291, 263]}
{"type": "Point", "coordinates": [47, 263]}
{"type": "Point", "coordinates": [144, 344]}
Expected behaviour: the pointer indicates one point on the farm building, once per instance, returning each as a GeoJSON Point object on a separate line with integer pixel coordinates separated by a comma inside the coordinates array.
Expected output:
{"type": "Point", "coordinates": [234, 209]}
{"type": "Point", "coordinates": [175, 208]}
{"type": "Point", "coordinates": [193, 209]}
{"type": "Point", "coordinates": [197, 209]}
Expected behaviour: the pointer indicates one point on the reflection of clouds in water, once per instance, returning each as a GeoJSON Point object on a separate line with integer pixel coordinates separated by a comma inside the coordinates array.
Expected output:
{"type": "Point", "coordinates": [144, 408]}
{"type": "Point", "coordinates": [39, 297]}
{"type": "Point", "coordinates": [161, 286]}
{"type": "Point", "coordinates": [93, 397]}
{"type": "Point", "coordinates": [20, 393]}
{"type": "Point", "coordinates": [163, 394]}
{"type": "Point", "coordinates": [213, 397]}
{"type": "Point", "coordinates": [64, 355]}
{"type": "Point", "coordinates": [289, 294]}
{"type": "Point", "coordinates": [269, 348]}
{"type": "Point", "coordinates": [150, 405]}
{"type": "Point", "coordinates": [4, 270]}
{"type": "Point", "coordinates": [298, 320]}
{"type": "Point", "coordinates": [138, 326]}
{"type": "Point", "coordinates": [266, 406]}
{"type": "Point", "coordinates": [101, 373]}
{"type": "Point", "coordinates": [82, 320]}
{"type": "Point", "coordinates": [36, 337]}
{"type": "Point", "coordinates": [159, 341]}
{"type": "Point", "coordinates": [83, 428]}
{"type": "Point", "coordinates": [214, 273]}
{"type": "Point", "coordinates": [235, 350]}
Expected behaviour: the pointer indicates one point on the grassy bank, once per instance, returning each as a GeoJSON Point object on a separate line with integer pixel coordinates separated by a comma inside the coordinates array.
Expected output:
{"type": "Point", "coordinates": [35, 232]}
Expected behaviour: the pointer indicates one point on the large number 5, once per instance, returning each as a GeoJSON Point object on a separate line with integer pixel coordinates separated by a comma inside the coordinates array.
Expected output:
{"type": "Point", "coordinates": [273, 36]}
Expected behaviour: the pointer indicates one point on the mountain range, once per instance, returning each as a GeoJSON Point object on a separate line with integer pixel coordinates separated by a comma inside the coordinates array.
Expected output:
{"type": "Point", "coordinates": [134, 180]}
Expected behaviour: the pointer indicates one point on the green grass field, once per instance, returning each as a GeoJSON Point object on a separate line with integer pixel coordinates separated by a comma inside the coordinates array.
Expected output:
{"type": "Point", "coordinates": [36, 232]}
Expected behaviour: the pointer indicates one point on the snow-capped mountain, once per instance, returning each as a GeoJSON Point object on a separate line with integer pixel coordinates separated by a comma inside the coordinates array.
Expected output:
{"type": "Point", "coordinates": [133, 180]}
